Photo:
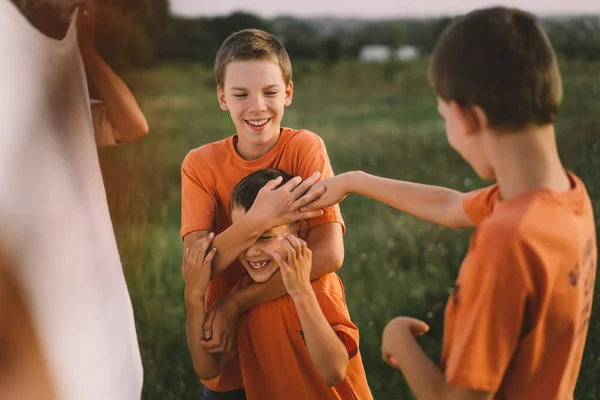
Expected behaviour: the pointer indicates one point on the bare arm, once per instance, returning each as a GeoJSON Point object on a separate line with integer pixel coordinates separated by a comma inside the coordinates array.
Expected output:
{"type": "Point", "coordinates": [273, 207]}
{"type": "Point", "coordinates": [401, 350]}
{"type": "Point", "coordinates": [232, 241]}
{"type": "Point", "coordinates": [196, 273]}
{"type": "Point", "coordinates": [127, 121]}
{"type": "Point", "coordinates": [327, 351]}
{"type": "Point", "coordinates": [328, 252]}
{"type": "Point", "coordinates": [435, 204]}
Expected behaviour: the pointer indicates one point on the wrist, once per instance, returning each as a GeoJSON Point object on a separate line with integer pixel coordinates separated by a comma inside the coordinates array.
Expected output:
{"type": "Point", "coordinates": [258, 223]}
{"type": "Point", "coordinates": [194, 298]}
{"type": "Point", "coordinates": [302, 294]}
{"type": "Point", "coordinates": [354, 181]}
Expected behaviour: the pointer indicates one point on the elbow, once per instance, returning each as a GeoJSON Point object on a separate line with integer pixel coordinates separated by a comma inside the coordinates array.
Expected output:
{"type": "Point", "coordinates": [335, 376]}
{"type": "Point", "coordinates": [142, 128]}
{"type": "Point", "coordinates": [205, 373]}
{"type": "Point", "coordinates": [337, 260]}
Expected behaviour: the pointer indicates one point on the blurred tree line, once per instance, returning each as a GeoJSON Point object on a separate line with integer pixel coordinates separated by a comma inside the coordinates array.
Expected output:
{"type": "Point", "coordinates": [140, 32]}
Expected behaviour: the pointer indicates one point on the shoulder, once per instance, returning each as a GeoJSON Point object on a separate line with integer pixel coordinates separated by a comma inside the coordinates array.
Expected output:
{"type": "Point", "coordinates": [329, 286]}
{"type": "Point", "coordinates": [306, 140]}
{"type": "Point", "coordinates": [210, 152]}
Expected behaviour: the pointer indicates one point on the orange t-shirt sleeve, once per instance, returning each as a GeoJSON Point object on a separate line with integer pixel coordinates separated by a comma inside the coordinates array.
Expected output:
{"type": "Point", "coordinates": [489, 309]}
{"type": "Point", "coordinates": [312, 157]}
{"type": "Point", "coordinates": [335, 311]}
{"type": "Point", "coordinates": [479, 204]}
{"type": "Point", "coordinates": [198, 205]}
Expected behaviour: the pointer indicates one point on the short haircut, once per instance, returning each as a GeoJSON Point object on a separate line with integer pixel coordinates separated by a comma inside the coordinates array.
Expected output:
{"type": "Point", "coordinates": [252, 45]}
{"type": "Point", "coordinates": [245, 192]}
{"type": "Point", "coordinates": [501, 60]}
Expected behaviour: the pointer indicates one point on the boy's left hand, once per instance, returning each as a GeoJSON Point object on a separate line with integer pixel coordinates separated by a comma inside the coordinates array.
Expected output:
{"type": "Point", "coordinates": [295, 264]}
{"type": "Point", "coordinates": [396, 331]}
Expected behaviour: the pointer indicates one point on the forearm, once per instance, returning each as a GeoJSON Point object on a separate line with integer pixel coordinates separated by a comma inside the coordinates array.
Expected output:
{"type": "Point", "coordinates": [327, 245]}
{"type": "Point", "coordinates": [423, 377]}
{"type": "Point", "coordinates": [327, 351]}
{"type": "Point", "coordinates": [206, 365]}
{"type": "Point", "coordinates": [234, 240]}
{"type": "Point", "coordinates": [125, 115]}
{"type": "Point", "coordinates": [435, 204]}
{"type": "Point", "coordinates": [258, 293]}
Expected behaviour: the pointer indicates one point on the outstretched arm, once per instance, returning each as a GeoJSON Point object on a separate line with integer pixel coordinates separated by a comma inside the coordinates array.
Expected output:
{"type": "Point", "coordinates": [435, 204]}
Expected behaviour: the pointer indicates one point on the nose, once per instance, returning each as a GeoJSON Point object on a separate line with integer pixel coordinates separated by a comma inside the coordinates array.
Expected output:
{"type": "Point", "coordinates": [254, 251]}
{"type": "Point", "coordinates": [258, 104]}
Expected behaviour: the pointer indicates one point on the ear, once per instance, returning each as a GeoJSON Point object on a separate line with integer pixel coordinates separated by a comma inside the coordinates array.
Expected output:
{"type": "Point", "coordinates": [221, 98]}
{"type": "Point", "coordinates": [302, 229]}
{"type": "Point", "coordinates": [289, 92]}
{"type": "Point", "coordinates": [471, 118]}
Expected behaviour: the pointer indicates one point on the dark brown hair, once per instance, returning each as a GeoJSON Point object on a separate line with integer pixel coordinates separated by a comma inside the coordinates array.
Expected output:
{"type": "Point", "coordinates": [252, 45]}
{"type": "Point", "coordinates": [501, 60]}
{"type": "Point", "coordinates": [245, 192]}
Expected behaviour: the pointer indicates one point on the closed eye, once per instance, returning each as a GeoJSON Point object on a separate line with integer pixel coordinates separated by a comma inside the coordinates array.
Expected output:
{"type": "Point", "coordinates": [265, 238]}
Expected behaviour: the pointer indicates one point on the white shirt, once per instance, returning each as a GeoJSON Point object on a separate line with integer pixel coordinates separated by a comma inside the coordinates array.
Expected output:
{"type": "Point", "coordinates": [54, 218]}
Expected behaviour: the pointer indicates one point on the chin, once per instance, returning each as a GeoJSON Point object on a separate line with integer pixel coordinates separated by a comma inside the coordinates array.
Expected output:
{"type": "Point", "coordinates": [261, 278]}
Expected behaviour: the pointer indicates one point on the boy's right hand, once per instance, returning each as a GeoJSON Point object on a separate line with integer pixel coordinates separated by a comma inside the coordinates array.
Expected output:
{"type": "Point", "coordinates": [330, 191]}
{"type": "Point", "coordinates": [196, 268]}
{"type": "Point", "coordinates": [280, 206]}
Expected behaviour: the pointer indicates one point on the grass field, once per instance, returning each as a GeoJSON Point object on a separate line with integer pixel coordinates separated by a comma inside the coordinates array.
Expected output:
{"type": "Point", "coordinates": [381, 119]}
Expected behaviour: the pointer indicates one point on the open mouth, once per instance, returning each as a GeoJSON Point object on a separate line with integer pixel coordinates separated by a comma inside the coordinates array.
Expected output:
{"type": "Point", "coordinates": [258, 123]}
{"type": "Point", "coordinates": [259, 266]}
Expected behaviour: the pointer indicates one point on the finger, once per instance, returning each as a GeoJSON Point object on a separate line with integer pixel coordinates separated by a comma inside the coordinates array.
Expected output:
{"type": "Point", "coordinates": [208, 323]}
{"type": "Point", "coordinates": [291, 184]}
{"type": "Point", "coordinates": [288, 248]}
{"type": "Point", "coordinates": [311, 196]}
{"type": "Point", "coordinates": [304, 248]}
{"type": "Point", "coordinates": [209, 257]}
{"type": "Point", "coordinates": [308, 215]}
{"type": "Point", "coordinates": [305, 186]}
{"type": "Point", "coordinates": [272, 184]}
{"type": "Point", "coordinates": [296, 244]}
{"type": "Point", "coordinates": [216, 341]}
{"type": "Point", "coordinates": [279, 259]}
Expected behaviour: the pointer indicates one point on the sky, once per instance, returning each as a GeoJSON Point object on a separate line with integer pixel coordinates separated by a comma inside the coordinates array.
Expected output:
{"type": "Point", "coordinates": [373, 8]}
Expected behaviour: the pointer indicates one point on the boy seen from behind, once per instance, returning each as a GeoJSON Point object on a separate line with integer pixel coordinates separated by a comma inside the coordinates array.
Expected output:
{"type": "Point", "coordinates": [516, 322]}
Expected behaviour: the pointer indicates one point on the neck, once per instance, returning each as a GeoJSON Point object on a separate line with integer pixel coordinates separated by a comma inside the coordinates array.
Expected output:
{"type": "Point", "coordinates": [526, 160]}
{"type": "Point", "coordinates": [253, 151]}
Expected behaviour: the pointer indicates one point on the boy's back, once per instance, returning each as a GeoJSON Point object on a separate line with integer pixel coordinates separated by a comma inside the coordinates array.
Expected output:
{"type": "Point", "coordinates": [274, 358]}
{"type": "Point", "coordinates": [530, 274]}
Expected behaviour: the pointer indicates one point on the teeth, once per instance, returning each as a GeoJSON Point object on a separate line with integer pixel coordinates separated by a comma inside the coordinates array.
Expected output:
{"type": "Point", "coordinates": [258, 123]}
{"type": "Point", "coordinates": [258, 265]}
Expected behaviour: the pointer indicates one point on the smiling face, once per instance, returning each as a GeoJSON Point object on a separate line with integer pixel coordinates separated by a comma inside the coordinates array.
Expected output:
{"type": "Point", "coordinates": [257, 259]}
{"type": "Point", "coordinates": [255, 94]}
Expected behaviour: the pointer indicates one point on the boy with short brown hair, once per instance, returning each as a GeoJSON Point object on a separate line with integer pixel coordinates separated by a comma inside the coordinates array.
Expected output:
{"type": "Point", "coordinates": [299, 346]}
{"type": "Point", "coordinates": [516, 323]}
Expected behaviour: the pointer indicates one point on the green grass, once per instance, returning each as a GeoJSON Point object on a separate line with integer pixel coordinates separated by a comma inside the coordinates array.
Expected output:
{"type": "Point", "coordinates": [381, 119]}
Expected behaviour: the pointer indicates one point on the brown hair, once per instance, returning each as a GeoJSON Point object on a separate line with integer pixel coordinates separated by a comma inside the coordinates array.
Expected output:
{"type": "Point", "coordinates": [252, 45]}
{"type": "Point", "coordinates": [245, 192]}
{"type": "Point", "coordinates": [501, 60]}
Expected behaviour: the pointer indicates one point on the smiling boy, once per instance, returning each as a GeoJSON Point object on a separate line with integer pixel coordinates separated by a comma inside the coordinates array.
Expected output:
{"type": "Point", "coordinates": [299, 346]}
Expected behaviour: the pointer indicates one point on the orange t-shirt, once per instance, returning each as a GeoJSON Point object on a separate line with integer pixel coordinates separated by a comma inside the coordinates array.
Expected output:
{"type": "Point", "coordinates": [274, 358]}
{"type": "Point", "coordinates": [517, 320]}
{"type": "Point", "coordinates": [209, 174]}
